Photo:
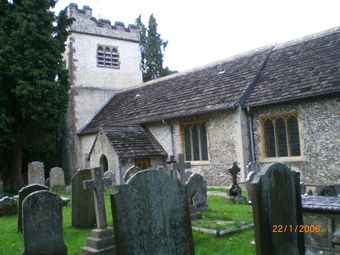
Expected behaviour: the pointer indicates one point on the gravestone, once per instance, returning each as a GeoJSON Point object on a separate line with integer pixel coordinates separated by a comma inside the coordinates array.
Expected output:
{"type": "Point", "coordinates": [187, 175]}
{"type": "Point", "coordinates": [327, 191]}
{"type": "Point", "coordinates": [196, 189]}
{"type": "Point", "coordinates": [110, 175]}
{"type": "Point", "coordinates": [234, 190]}
{"type": "Point", "coordinates": [1, 189]}
{"type": "Point", "coordinates": [23, 193]}
{"type": "Point", "coordinates": [151, 216]}
{"type": "Point", "coordinates": [101, 240]}
{"type": "Point", "coordinates": [180, 166]}
{"type": "Point", "coordinates": [131, 171]}
{"type": "Point", "coordinates": [57, 179]}
{"type": "Point", "coordinates": [277, 210]}
{"type": "Point", "coordinates": [8, 206]}
{"type": "Point", "coordinates": [249, 180]}
{"type": "Point", "coordinates": [82, 203]}
{"type": "Point", "coordinates": [43, 224]}
{"type": "Point", "coordinates": [36, 173]}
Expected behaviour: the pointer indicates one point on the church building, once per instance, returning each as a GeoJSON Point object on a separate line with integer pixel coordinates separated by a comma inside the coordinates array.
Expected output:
{"type": "Point", "coordinates": [279, 103]}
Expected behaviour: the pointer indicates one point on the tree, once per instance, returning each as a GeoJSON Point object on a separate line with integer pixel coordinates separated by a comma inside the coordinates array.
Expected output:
{"type": "Point", "coordinates": [152, 50]}
{"type": "Point", "coordinates": [33, 81]}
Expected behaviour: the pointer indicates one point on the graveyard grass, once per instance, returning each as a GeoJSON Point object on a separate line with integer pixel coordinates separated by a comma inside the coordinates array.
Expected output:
{"type": "Point", "coordinates": [205, 244]}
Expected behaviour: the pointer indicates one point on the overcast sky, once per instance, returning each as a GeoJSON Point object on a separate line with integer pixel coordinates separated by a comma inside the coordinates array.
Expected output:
{"type": "Point", "coordinates": [200, 32]}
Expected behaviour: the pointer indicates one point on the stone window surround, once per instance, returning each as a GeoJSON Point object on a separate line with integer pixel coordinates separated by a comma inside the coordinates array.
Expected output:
{"type": "Point", "coordinates": [113, 59]}
{"type": "Point", "coordinates": [187, 123]}
{"type": "Point", "coordinates": [283, 115]}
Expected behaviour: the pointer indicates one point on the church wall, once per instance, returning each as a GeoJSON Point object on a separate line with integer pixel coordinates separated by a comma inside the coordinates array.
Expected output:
{"type": "Point", "coordinates": [319, 123]}
{"type": "Point", "coordinates": [225, 143]}
{"type": "Point", "coordinates": [103, 146]}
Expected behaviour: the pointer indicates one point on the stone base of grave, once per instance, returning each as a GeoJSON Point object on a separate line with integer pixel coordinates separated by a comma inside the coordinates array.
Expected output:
{"type": "Point", "coordinates": [101, 242]}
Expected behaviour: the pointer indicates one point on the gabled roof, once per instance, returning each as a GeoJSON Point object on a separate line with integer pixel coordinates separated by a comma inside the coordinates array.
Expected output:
{"type": "Point", "coordinates": [133, 141]}
{"type": "Point", "coordinates": [215, 87]}
{"type": "Point", "coordinates": [299, 69]}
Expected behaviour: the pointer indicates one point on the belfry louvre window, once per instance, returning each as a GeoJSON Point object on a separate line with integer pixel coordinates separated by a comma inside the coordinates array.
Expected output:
{"type": "Point", "coordinates": [280, 134]}
{"type": "Point", "coordinates": [107, 56]}
{"type": "Point", "coordinates": [195, 142]}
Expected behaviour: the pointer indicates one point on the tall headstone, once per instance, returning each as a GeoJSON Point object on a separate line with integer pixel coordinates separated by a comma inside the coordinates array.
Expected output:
{"type": "Point", "coordinates": [180, 166]}
{"type": "Point", "coordinates": [36, 173]}
{"type": "Point", "coordinates": [196, 189]}
{"type": "Point", "coordinates": [110, 175]}
{"type": "Point", "coordinates": [101, 241]}
{"type": "Point", "coordinates": [23, 193]}
{"type": "Point", "coordinates": [151, 216]}
{"type": "Point", "coordinates": [57, 179]}
{"type": "Point", "coordinates": [277, 210]}
{"type": "Point", "coordinates": [83, 212]}
{"type": "Point", "coordinates": [131, 171]}
{"type": "Point", "coordinates": [43, 224]}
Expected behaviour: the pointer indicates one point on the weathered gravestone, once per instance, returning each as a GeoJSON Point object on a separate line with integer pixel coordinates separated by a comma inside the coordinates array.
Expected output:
{"type": "Point", "coordinates": [196, 189]}
{"type": "Point", "coordinates": [43, 224]}
{"type": "Point", "coordinates": [101, 240]}
{"type": "Point", "coordinates": [108, 174]}
{"type": "Point", "coordinates": [151, 216]}
{"type": "Point", "coordinates": [276, 201]}
{"type": "Point", "coordinates": [250, 178]}
{"type": "Point", "coordinates": [57, 179]}
{"type": "Point", "coordinates": [36, 173]}
{"type": "Point", "coordinates": [82, 203]}
{"type": "Point", "coordinates": [23, 193]}
{"type": "Point", "coordinates": [180, 166]}
{"type": "Point", "coordinates": [8, 206]}
{"type": "Point", "coordinates": [131, 171]}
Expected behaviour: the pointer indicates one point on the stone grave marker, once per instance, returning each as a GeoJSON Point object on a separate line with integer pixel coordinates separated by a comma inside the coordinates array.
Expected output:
{"type": "Point", "coordinates": [23, 193]}
{"type": "Point", "coordinates": [8, 206]}
{"type": "Point", "coordinates": [101, 240]}
{"type": "Point", "coordinates": [151, 216]}
{"type": "Point", "coordinates": [234, 190]}
{"type": "Point", "coordinates": [43, 224]}
{"type": "Point", "coordinates": [249, 180]}
{"type": "Point", "coordinates": [110, 175]}
{"type": "Point", "coordinates": [327, 191]}
{"type": "Point", "coordinates": [82, 204]}
{"type": "Point", "coordinates": [277, 210]}
{"type": "Point", "coordinates": [36, 173]}
{"type": "Point", "coordinates": [196, 189]}
{"type": "Point", "coordinates": [57, 179]}
{"type": "Point", "coordinates": [180, 166]}
{"type": "Point", "coordinates": [131, 171]}
{"type": "Point", "coordinates": [187, 175]}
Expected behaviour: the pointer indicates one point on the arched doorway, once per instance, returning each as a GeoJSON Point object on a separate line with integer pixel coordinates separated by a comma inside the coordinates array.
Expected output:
{"type": "Point", "coordinates": [104, 166]}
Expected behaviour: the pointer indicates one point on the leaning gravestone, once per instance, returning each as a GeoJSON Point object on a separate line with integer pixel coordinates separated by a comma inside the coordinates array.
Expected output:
{"type": "Point", "coordinates": [23, 193]}
{"type": "Point", "coordinates": [196, 189]}
{"type": "Point", "coordinates": [57, 179]}
{"type": "Point", "coordinates": [277, 210]}
{"type": "Point", "coordinates": [131, 171]}
{"type": "Point", "coordinates": [36, 173]}
{"type": "Point", "coordinates": [43, 224]}
{"type": "Point", "coordinates": [151, 216]}
{"type": "Point", "coordinates": [83, 212]}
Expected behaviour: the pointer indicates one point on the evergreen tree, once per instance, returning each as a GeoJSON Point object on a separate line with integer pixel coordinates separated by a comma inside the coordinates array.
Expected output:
{"type": "Point", "coordinates": [33, 82]}
{"type": "Point", "coordinates": [152, 49]}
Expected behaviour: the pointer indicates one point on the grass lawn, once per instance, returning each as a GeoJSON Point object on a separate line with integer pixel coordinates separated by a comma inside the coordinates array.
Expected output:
{"type": "Point", "coordinates": [205, 244]}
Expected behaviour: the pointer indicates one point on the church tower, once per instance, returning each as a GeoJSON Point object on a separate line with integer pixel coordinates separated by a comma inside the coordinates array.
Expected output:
{"type": "Point", "coordinates": [102, 59]}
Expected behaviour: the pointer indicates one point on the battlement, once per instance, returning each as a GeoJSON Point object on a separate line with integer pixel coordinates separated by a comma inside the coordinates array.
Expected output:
{"type": "Point", "coordinates": [85, 23]}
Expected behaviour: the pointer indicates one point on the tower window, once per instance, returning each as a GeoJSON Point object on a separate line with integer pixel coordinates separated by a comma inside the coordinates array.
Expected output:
{"type": "Point", "coordinates": [107, 56]}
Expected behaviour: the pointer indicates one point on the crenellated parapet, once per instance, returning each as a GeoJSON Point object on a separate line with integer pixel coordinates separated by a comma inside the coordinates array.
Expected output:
{"type": "Point", "coordinates": [85, 23]}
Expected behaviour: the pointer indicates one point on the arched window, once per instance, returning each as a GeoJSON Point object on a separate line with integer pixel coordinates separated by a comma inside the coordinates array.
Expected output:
{"type": "Point", "coordinates": [103, 163]}
{"type": "Point", "coordinates": [281, 135]}
{"type": "Point", "coordinates": [108, 56]}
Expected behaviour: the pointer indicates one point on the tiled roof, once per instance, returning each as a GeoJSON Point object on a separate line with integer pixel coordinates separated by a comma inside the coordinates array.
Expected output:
{"type": "Point", "coordinates": [299, 69]}
{"type": "Point", "coordinates": [211, 88]}
{"type": "Point", "coordinates": [133, 141]}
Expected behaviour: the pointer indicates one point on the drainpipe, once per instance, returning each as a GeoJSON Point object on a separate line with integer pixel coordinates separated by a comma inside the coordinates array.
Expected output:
{"type": "Point", "coordinates": [251, 135]}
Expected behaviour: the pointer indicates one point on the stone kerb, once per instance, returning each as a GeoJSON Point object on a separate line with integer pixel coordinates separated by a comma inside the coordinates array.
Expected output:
{"type": "Point", "coordinates": [276, 200]}
{"type": "Point", "coordinates": [43, 224]}
{"type": "Point", "coordinates": [151, 215]}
